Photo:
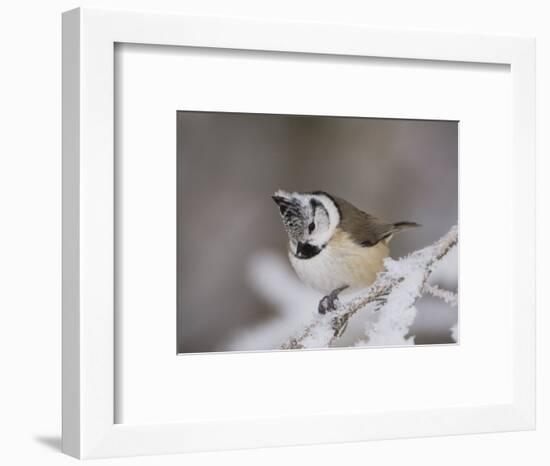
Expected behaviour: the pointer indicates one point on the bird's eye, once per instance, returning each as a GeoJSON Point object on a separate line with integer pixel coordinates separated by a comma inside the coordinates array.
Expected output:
{"type": "Point", "coordinates": [311, 227]}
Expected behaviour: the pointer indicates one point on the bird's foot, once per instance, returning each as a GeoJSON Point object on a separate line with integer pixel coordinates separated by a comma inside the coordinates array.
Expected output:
{"type": "Point", "coordinates": [331, 301]}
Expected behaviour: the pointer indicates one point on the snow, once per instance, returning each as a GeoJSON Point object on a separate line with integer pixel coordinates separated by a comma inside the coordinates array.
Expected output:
{"type": "Point", "coordinates": [398, 313]}
{"type": "Point", "coordinates": [380, 324]}
{"type": "Point", "coordinates": [407, 278]}
{"type": "Point", "coordinates": [269, 274]}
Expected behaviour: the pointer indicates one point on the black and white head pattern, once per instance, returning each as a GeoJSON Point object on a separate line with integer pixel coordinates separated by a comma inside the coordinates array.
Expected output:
{"type": "Point", "coordinates": [310, 220]}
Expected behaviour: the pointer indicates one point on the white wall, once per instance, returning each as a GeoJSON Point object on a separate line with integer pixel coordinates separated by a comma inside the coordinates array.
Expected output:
{"type": "Point", "coordinates": [30, 233]}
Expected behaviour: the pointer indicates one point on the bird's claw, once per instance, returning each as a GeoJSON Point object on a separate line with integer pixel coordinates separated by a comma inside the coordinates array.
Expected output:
{"type": "Point", "coordinates": [330, 302]}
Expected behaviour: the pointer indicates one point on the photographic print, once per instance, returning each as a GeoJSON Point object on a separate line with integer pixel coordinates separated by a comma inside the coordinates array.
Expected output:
{"type": "Point", "coordinates": [310, 232]}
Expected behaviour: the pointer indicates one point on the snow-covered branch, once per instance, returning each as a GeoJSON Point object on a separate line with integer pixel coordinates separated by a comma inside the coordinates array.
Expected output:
{"type": "Point", "coordinates": [436, 291]}
{"type": "Point", "coordinates": [392, 295]}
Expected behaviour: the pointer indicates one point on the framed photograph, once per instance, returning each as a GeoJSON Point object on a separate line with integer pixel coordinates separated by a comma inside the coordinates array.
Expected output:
{"type": "Point", "coordinates": [293, 233]}
{"type": "Point", "coordinates": [252, 273]}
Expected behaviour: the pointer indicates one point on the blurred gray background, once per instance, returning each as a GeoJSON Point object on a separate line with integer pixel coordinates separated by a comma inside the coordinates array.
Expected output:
{"type": "Point", "coordinates": [230, 164]}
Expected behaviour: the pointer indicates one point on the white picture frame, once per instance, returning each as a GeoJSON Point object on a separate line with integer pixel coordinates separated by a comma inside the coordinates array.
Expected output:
{"type": "Point", "coordinates": [89, 398]}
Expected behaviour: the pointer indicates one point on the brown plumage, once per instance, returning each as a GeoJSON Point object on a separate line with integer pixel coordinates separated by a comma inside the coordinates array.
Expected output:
{"type": "Point", "coordinates": [366, 229]}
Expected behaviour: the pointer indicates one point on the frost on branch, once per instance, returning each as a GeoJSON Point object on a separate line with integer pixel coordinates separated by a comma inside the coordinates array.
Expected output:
{"type": "Point", "coordinates": [392, 297]}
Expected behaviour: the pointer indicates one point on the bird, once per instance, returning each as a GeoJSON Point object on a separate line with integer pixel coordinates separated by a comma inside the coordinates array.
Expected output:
{"type": "Point", "coordinates": [332, 245]}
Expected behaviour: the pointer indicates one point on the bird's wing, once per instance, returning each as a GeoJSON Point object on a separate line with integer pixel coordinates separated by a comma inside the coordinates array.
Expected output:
{"type": "Point", "coordinates": [365, 229]}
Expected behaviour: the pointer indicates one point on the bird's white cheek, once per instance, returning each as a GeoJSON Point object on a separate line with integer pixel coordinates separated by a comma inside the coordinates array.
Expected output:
{"type": "Point", "coordinates": [321, 239]}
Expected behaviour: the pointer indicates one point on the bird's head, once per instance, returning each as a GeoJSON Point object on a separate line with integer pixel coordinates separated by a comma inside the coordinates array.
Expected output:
{"type": "Point", "coordinates": [310, 220]}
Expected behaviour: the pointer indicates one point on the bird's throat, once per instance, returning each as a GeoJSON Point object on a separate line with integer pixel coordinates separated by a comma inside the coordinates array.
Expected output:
{"type": "Point", "coordinates": [307, 250]}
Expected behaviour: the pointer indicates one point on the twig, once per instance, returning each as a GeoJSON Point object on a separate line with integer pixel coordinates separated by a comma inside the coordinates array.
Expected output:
{"type": "Point", "coordinates": [450, 297]}
{"type": "Point", "coordinates": [408, 275]}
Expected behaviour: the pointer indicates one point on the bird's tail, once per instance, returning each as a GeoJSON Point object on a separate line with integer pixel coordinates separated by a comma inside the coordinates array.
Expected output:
{"type": "Point", "coordinates": [397, 227]}
{"type": "Point", "coordinates": [400, 226]}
